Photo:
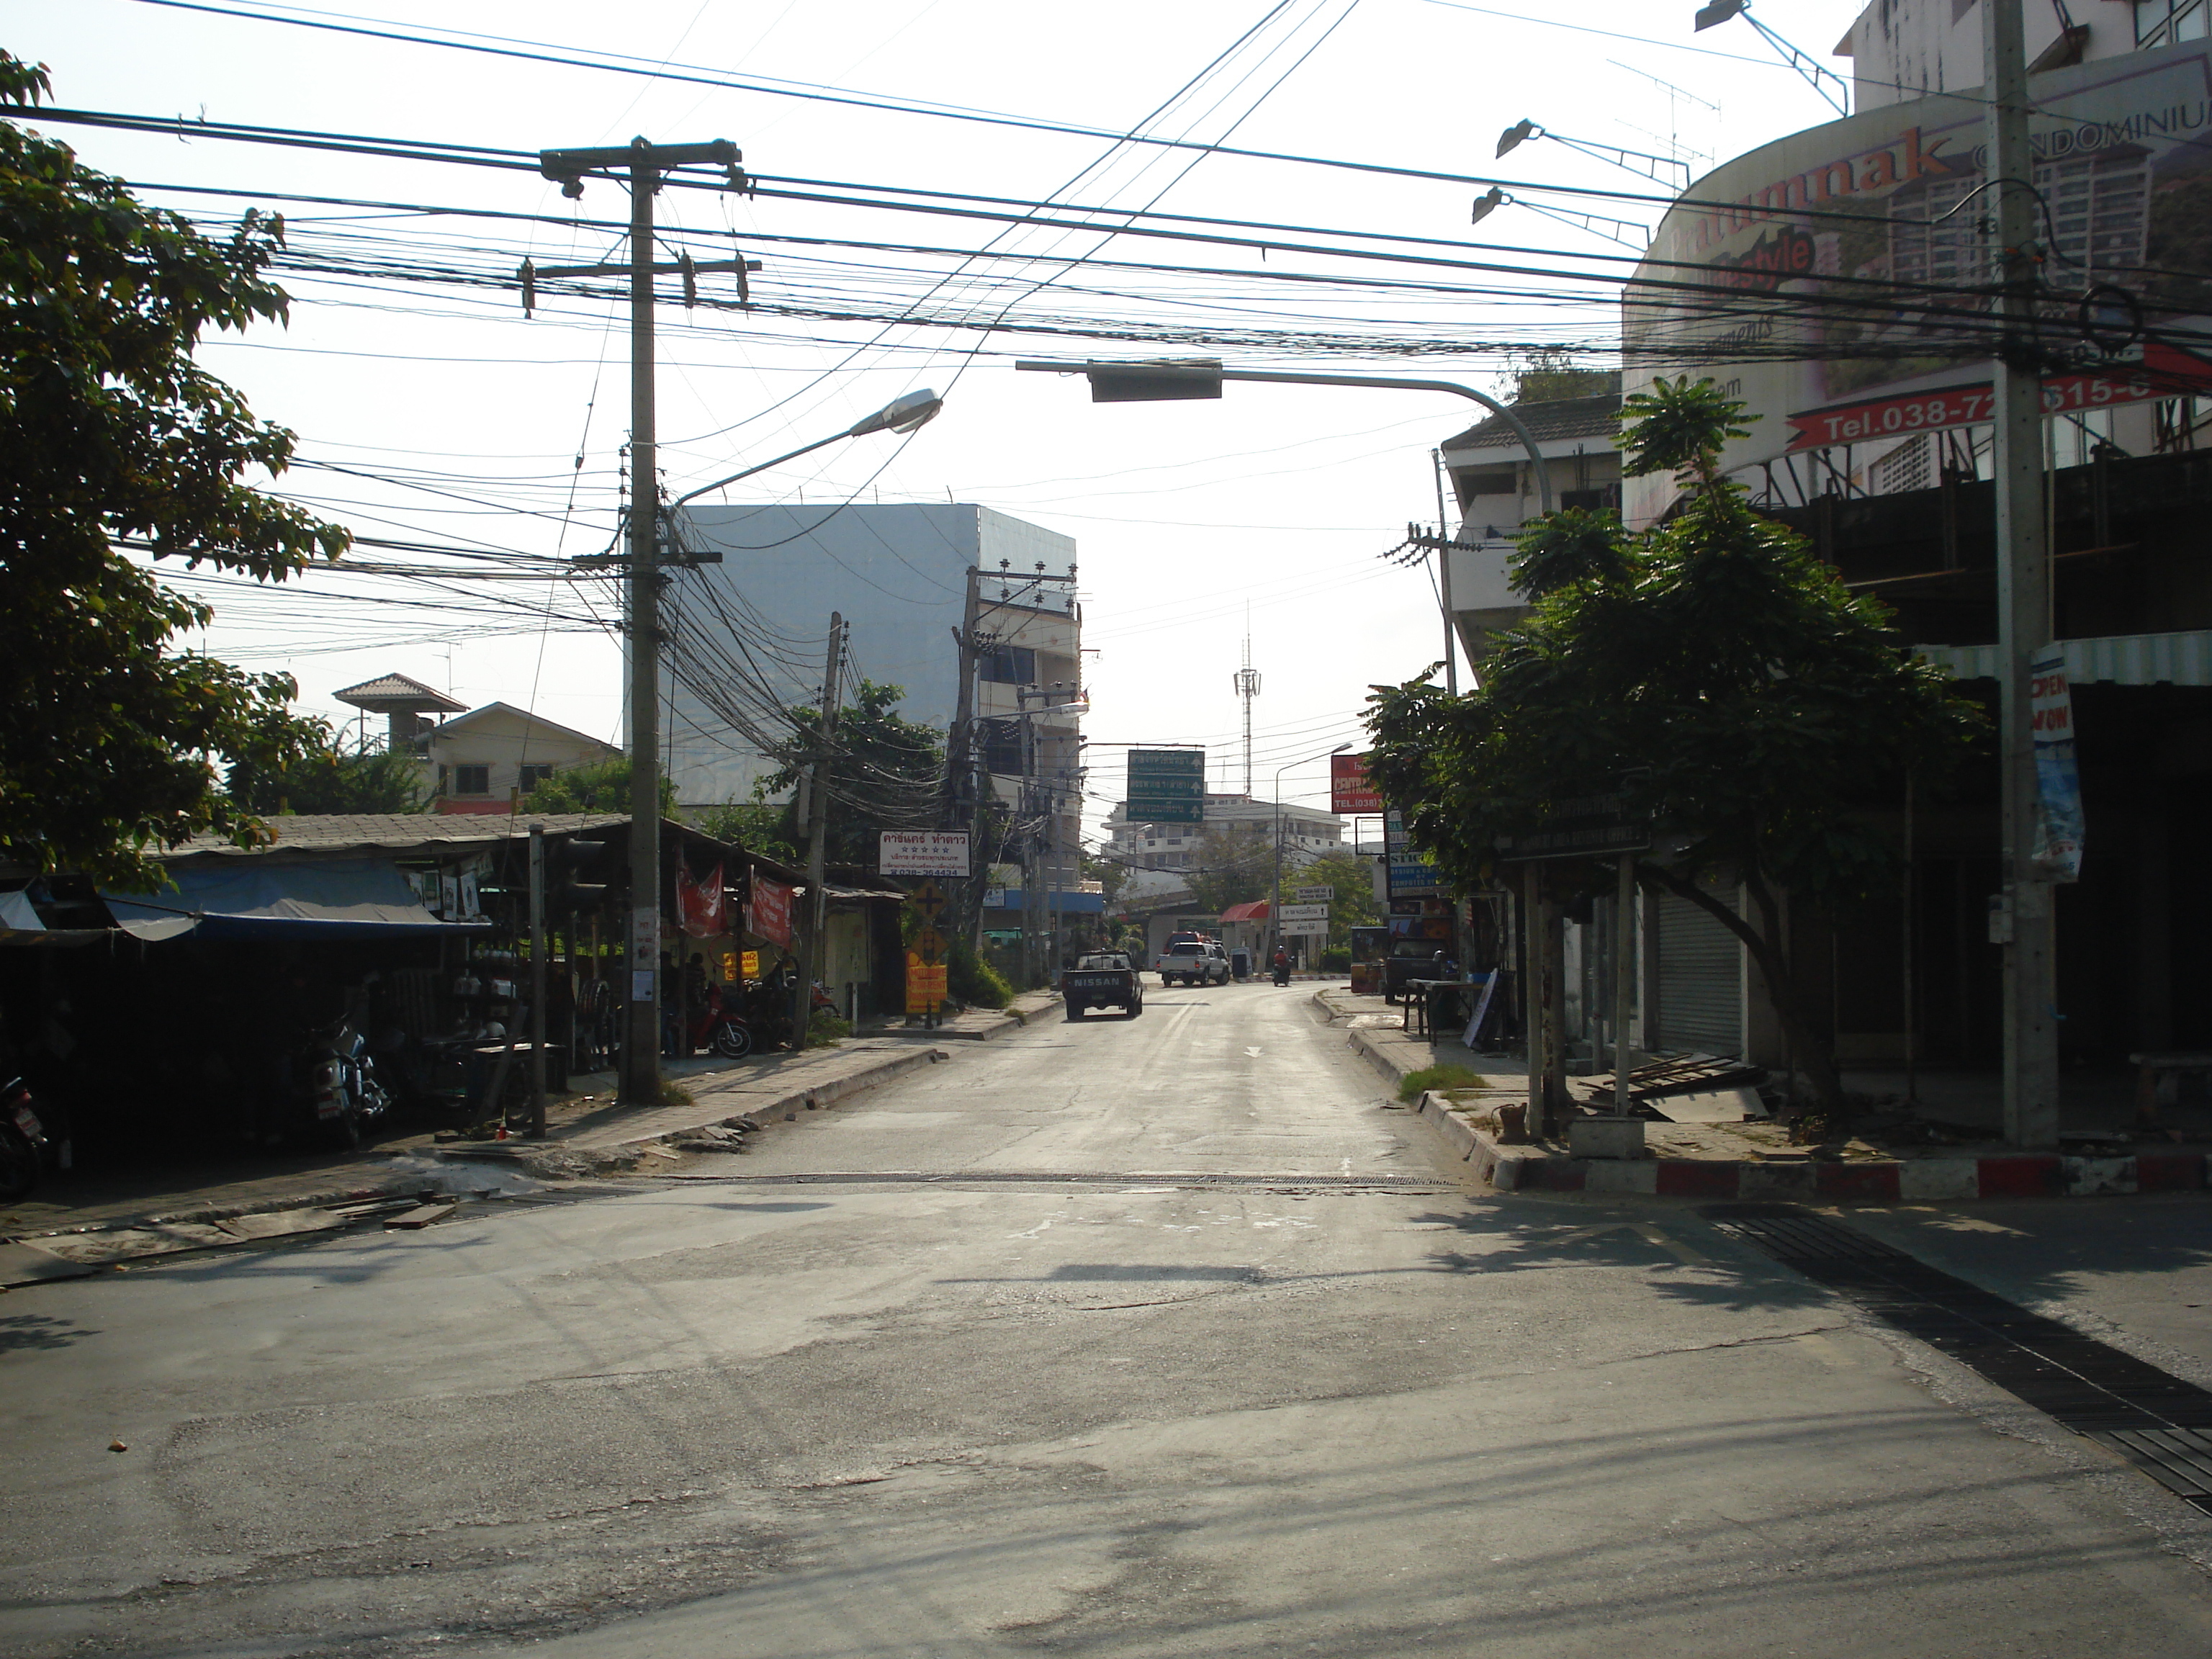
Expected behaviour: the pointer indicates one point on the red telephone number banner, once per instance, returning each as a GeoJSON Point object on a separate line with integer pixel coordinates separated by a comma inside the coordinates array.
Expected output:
{"type": "Point", "coordinates": [1349, 789]}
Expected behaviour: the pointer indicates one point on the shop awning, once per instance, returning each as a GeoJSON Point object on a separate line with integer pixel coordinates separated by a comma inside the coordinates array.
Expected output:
{"type": "Point", "coordinates": [218, 902]}
{"type": "Point", "coordinates": [2120, 659]}
{"type": "Point", "coordinates": [1255, 911]}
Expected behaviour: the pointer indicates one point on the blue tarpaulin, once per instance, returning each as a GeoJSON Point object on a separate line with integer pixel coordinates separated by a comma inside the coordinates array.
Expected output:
{"type": "Point", "coordinates": [225, 900]}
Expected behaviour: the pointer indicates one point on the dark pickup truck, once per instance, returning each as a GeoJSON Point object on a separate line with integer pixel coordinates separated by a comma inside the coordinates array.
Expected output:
{"type": "Point", "coordinates": [1107, 979]}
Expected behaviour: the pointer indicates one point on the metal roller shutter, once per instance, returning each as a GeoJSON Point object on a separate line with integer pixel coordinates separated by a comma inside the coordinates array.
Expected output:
{"type": "Point", "coordinates": [1700, 980]}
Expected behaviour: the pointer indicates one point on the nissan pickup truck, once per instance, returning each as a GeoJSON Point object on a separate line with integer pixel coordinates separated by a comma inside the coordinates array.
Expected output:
{"type": "Point", "coordinates": [1105, 979]}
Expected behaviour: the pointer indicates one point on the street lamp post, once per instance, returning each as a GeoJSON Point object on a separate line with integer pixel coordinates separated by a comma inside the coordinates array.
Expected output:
{"type": "Point", "coordinates": [1275, 906]}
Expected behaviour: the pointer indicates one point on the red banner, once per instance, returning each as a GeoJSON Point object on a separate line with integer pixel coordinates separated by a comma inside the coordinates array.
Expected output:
{"type": "Point", "coordinates": [768, 915]}
{"type": "Point", "coordinates": [701, 906]}
{"type": "Point", "coordinates": [1349, 790]}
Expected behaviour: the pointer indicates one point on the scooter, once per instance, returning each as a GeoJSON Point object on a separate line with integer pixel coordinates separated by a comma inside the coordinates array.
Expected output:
{"type": "Point", "coordinates": [344, 1094]}
{"type": "Point", "coordinates": [1282, 973]}
{"type": "Point", "coordinates": [22, 1141]}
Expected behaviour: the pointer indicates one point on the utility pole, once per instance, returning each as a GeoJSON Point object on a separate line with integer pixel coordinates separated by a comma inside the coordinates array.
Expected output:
{"type": "Point", "coordinates": [644, 163]}
{"type": "Point", "coordinates": [537, 981]}
{"type": "Point", "coordinates": [810, 953]}
{"type": "Point", "coordinates": [964, 806]}
{"type": "Point", "coordinates": [2024, 921]}
{"type": "Point", "coordinates": [1443, 580]}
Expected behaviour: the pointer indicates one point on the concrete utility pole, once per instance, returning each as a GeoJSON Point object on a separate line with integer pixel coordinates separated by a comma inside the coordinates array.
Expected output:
{"type": "Point", "coordinates": [538, 981]}
{"type": "Point", "coordinates": [810, 953]}
{"type": "Point", "coordinates": [644, 163]}
{"type": "Point", "coordinates": [2025, 923]}
{"type": "Point", "coordinates": [963, 787]}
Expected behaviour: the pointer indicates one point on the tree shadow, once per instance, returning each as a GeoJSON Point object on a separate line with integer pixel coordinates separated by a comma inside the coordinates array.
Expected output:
{"type": "Point", "coordinates": [37, 1332]}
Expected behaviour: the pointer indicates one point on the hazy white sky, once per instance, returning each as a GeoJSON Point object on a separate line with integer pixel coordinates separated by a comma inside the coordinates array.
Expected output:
{"type": "Point", "coordinates": [1277, 500]}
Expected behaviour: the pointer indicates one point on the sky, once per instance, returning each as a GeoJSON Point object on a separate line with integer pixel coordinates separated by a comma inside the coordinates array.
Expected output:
{"type": "Point", "coordinates": [429, 411]}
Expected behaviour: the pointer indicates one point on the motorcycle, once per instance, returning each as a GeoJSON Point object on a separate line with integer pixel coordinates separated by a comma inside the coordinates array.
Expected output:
{"type": "Point", "coordinates": [1282, 973]}
{"type": "Point", "coordinates": [23, 1142]}
{"type": "Point", "coordinates": [722, 1029]}
{"type": "Point", "coordinates": [344, 1093]}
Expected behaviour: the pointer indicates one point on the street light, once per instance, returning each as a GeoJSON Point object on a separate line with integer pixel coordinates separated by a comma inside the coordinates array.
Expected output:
{"type": "Point", "coordinates": [1275, 907]}
{"type": "Point", "coordinates": [1614, 154]}
{"type": "Point", "coordinates": [909, 413]}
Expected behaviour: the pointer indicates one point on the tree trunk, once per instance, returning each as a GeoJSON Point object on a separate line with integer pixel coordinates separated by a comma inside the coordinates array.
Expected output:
{"type": "Point", "coordinates": [1764, 944]}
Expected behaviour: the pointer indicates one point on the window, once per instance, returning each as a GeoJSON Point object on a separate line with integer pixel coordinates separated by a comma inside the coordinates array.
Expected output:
{"type": "Point", "coordinates": [2162, 22]}
{"type": "Point", "coordinates": [1002, 747]}
{"type": "Point", "coordinates": [531, 776]}
{"type": "Point", "coordinates": [1010, 665]}
{"type": "Point", "coordinates": [472, 780]}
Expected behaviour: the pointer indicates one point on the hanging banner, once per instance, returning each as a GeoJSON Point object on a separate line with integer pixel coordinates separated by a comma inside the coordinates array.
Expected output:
{"type": "Point", "coordinates": [701, 904]}
{"type": "Point", "coordinates": [2058, 823]}
{"type": "Point", "coordinates": [769, 913]}
{"type": "Point", "coordinates": [1349, 790]}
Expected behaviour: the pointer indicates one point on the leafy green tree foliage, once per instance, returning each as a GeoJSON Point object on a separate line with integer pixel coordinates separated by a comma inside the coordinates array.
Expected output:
{"type": "Point", "coordinates": [1713, 671]}
{"type": "Point", "coordinates": [604, 787]}
{"type": "Point", "coordinates": [1110, 874]}
{"type": "Point", "coordinates": [758, 825]}
{"type": "Point", "coordinates": [1353, 879]}
{"type": "Point", "coordinates": [319, 777]}
{"type": "Point", "coordinates": [112, 437]}
{"type": "Point", "coordinates": [885, 772]}
{"type": "Point", "coordinates": [1236, 864]}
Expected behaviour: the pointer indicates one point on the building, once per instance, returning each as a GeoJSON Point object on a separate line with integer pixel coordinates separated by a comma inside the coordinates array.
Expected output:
{"type": "Point", "coordinates": [481, 759]}
{"type": "Point", "coordinates": [1307, 833]}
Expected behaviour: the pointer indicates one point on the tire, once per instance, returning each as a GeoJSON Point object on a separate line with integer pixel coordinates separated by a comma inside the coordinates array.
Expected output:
{"type": "Point", "coordinates": [342, 1132]}
{"type": "Point", "coordinates": [1132, 1011]}
{"type": "Point", "coordinates": [19, 1164]}
{"type": "Point", "coordinates": [731, 1039]}
{"type": "Point", "coordinates": [1075, 1011]}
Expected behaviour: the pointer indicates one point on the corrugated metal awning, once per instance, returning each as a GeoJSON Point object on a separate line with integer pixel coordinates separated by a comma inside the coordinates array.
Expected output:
{"type": "Point", "coordinates": [2120, 659]}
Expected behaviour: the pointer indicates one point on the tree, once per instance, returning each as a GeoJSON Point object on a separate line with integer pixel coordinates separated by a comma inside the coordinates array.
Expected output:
{"type": "Point", "coordinates": [1711, 671]}
{"type": "Point", "coordinates": [603, 787]}
{"type": "Point", "coordinates": [1110, 874]}
{"type": "Point", "coordinates": [1235, 865]}
{"type": "Point", "coordinates": [1353, 879]}
{"type": "Point", "coordinates": [757, 824]}
{"type": "Point", "coordinates": [113, 439]}
{"type": "Point", "coordinates": [884, 772]}
{"type": "Point", "coordinates": [319, 777]}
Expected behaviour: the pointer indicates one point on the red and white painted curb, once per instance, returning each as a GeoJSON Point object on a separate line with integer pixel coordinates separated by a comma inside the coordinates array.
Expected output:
{"type": "Point", "coordinates": [2010, 1175]}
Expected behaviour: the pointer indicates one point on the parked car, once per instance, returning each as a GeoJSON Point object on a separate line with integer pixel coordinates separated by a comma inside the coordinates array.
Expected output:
{"type": "Point", "coordinates": [1194, 962]}
{"type": "Point", "coordinates": [1105, 979]}
{"type": "Point", "coordinates": [1412, 959]}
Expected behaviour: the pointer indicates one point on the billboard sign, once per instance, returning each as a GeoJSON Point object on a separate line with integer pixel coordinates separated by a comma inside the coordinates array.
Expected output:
{"type": "Point", "coordinates": [1839, 281]}
{"type": "Point", "coordinates": [1349, 790]}
{"type": "Point", "coordinates": [923, 852]}
{"type": "Point", "coordinates": [1167, 785]}
{"type": "Point", "coordinates": [1411, 873]}
{"type": "Point", "coordinates": [1304, 913]}
{"type": "Point", "coordinates": [1591, 826]}
{"type": "Point", "coordinates": [1308, 929]}
{"type": "Point", "coordinates": [2058, 826]}
{"type": "Point", "coordinates": [1315, 895]}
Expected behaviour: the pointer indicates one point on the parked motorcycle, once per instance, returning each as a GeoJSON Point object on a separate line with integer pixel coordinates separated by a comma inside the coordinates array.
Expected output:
{"type": "Point", "coordinates": [344, 1093]}
{"type": "Point", "coordinates": [23, 1142]}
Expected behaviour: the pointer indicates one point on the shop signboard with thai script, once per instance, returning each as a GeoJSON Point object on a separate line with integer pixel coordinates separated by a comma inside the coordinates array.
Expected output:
{"type": "Point", "coordinates": [1349, 790]}
{"type": "Point", "coordinates": [1410, 872]}
{"type": "Point", "coordinates": [769, 913]}
{"type": "Point", "coordinates": [1588, 826]}
{"type": "Point", "coordinates": [923, 852]}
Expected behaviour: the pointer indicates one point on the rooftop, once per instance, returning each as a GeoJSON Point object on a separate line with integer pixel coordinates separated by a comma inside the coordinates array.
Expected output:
{"type": "Point", "coordinates": [389, 692]}
{"type": "Point", "coordinates": [1564, 418]}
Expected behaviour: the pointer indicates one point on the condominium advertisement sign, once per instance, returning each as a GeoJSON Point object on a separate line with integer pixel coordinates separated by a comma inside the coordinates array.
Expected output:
{"type": "Point", "coordinates": [1349, 790]}
{"type": "Point", "coordinates": [924, 853]}
{"type": "Point", "coordinates": [1167, 785]}
{"type": "Point", "coordinates": [1837, 280]}
{"type": "Point", "coordinates": [1410, 872]}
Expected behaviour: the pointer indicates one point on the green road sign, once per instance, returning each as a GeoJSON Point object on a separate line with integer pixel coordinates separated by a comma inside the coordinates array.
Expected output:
{"type": "Point", "coordinates": [1167, 785]}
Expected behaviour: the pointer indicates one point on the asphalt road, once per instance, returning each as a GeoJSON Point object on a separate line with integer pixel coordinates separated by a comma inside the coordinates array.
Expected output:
{"type": "Point", "coordinates": [1325, 1400]}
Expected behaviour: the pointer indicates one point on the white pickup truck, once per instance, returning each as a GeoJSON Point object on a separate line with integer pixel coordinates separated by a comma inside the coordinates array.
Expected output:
{"type": "Point", "coordinates": [1194, 962]}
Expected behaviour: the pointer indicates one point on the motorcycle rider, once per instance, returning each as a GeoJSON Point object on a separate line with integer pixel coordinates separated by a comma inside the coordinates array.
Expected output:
{"type": "Point", "coordinates": [1282, 964]}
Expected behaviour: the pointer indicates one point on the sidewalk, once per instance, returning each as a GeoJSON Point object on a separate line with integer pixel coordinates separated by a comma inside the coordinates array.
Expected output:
{"type": "Point", "coordinates": [1756, 1160]}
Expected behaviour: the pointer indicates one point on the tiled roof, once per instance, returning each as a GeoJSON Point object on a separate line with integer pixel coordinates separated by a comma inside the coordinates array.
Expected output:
{"type": "Point", "coordinates": [388, 691]}
{"type": "Point", "coordinates": [1563, 417]}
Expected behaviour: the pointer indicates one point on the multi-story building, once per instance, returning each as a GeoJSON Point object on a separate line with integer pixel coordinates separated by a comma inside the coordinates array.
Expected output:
{"type": "Point", "coordinates": [1307, 834]}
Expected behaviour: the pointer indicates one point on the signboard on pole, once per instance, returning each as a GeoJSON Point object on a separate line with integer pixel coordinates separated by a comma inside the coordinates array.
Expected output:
{"type": "Point", "coordinates": [1305, 929]}
{"type": "Point", "coordinates": [1167, 785]}
{"type": "Point", "coordinates": [1314, 895]}
{"type": "Point", "coordinates": [925, 984]}
{"type": "Point", "coordinates": [768, 913]}
{"type": "Point", "coordinates": [1411, 874]}
{"type": "Point", "coordinates": [2058, 826]}
{"type": "Point", "coordinates": [1349, 790]}
{"type": "Point", "coordinates": [1304, 913]}
{"type": "Point", "coordinates": [1587, 827]}
{"type": "Point", "coordinates": [924, 853]}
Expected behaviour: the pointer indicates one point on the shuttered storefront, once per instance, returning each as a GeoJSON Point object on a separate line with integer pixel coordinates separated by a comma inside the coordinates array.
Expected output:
{"type": "Point", "coordinates": [1700, 980]}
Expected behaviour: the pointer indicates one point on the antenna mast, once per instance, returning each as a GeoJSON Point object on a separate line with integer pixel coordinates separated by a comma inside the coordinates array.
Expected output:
{"type": "Point", "coordinates": [1248, 687]}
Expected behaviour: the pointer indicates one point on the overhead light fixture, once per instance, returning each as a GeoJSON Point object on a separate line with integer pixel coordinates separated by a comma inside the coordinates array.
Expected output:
{"type": "Point", "coordinates": [1718, 11]}
{"type": "Point", "coordinates": [906, 414]}
{"type": "Point", "coordinates": [1519, 132]}
{"type": "Point", "coordinates": [1488, 204]}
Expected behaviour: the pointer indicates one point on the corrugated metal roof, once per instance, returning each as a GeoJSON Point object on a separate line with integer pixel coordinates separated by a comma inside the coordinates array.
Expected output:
{"type": "Point", "coordinates": [2120, 659]}
{"type": "Point", "coordinates": [325, 833]}
{"type": "Point", "coordinates": [1564, 418]}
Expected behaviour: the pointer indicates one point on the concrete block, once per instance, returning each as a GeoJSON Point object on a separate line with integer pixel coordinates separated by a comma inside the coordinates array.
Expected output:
{"type": "Point", "coordinates": [1939, 1178]}
{"type": "Point", "coordinates": [2088, 1176]}
{"type": "Point", "coordinates": [1775, 1183]}
{"type": "Point", "coordinates": [1620, 1176]}
{"type": "Point", "coordinates": [1606, 1137]}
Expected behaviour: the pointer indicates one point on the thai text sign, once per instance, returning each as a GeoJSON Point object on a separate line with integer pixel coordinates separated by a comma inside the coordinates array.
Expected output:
{"type": "Point", "coordinates": [1308, 929]}
{"type": "Point", "coordinates": [925, 985]}
{"type": "Point", "coordinates": [1410, 872]}
{"type": "Point", "coordinates": [2058, 825]}
{"type": "Point", "coordinates": [1591, 826]}
{"type": "Point", "coordinates": [1167, 785]}
{"type": "Point", "coordinates": [1349, 789]}
{"type": "Point", "coordinates": [924, 853]}
{"type": "Point", "coordinates": [1315, 895]}
{"type": "Point", "coordinates": [770, 912]}
{"type": "Point", "coordinates": [1304, 913]}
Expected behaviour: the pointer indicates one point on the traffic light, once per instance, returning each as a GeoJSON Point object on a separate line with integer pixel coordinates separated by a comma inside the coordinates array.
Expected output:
{"type": "Point", "coordinates": [565, 862]}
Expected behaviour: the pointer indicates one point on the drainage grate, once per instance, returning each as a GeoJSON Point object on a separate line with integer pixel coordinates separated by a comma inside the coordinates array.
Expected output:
{"type": "Point", "coordinates": [1062, 1178]}
{"type": "Point", "coordinates": [2155, 1419]}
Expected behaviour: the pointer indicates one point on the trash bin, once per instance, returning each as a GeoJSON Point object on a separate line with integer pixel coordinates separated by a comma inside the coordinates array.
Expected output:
{"type": "Point", "coordinates": [1240, 963]}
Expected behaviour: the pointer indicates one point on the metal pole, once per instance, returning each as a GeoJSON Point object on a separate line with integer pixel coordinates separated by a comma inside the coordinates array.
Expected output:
{"type": "Point", "coordinates": [641, 1079]}
{"type": "Point", "coordinates": [1624, 980]}
{"type": "Point", "coordinates": [1443, 581]}
{"type": "Point", "coordinates": [810, 953]}
{"type": "Point", "coordinates": [1911, 1058]}
{"type": "Point", "coordinates": [2030, 1029]}
{"type": "Point", "coordinates": [1532, 936]}
{"type": "Point", "coordinates": [538, 981]}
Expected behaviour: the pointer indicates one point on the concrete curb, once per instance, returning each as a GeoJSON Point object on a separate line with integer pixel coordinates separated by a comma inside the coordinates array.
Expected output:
{"type": "Point", "coordinates": [1357, 1042]}
{"type": "Point", "coordinates": [320, 1198]}
{"type": "Point", "coordinates": [1515, 1168]}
